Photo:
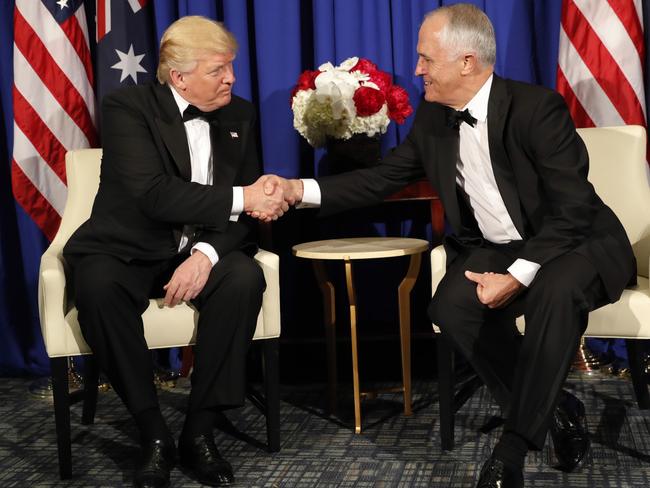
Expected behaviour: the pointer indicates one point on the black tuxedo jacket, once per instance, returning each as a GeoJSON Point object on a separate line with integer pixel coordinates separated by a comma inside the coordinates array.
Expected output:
{"type": "Point", "coordinates": [145, 194]}
{"type": "Point", "coordinates": [540, 165]}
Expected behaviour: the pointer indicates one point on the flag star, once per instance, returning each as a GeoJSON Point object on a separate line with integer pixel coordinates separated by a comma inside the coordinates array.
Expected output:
{"type": "Point", "coordinates": [129, 63]}
{"type": "Point", "coordinates": [63, 4]}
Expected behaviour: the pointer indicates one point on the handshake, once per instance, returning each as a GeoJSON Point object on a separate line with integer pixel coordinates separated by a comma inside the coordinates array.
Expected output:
{"type": "Point", "coordinates": [270, 196]}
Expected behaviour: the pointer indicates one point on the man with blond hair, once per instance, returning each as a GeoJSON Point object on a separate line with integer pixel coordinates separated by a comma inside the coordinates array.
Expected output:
{"type": "Point", "coordinates": [179, 172]}
{"type": "Point", "coordinates": [528, 232]}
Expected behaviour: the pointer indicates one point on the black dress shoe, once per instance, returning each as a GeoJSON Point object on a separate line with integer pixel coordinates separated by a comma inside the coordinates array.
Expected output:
{"type": "Point", "coordinates": [201, 458]}
{"type": "Point", "coordinates": [495, 474]}
{"type": "Point", "coordinates": [157, 460]}
{"type": "Point", "coordinates": [569, 432]}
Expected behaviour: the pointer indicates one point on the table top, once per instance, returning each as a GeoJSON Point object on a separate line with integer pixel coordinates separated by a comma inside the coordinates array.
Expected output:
{"type": "Point", "coordinates": [360, 248]}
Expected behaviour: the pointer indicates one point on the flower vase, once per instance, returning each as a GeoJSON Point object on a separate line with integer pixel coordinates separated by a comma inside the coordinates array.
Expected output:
{"type": "Point", "coordinates": [359, 151]}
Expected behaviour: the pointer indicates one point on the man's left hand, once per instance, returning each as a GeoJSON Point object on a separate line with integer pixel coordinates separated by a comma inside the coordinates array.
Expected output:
{"type": "Point", "coordinates": [494, 289]}
{"type": "Point", "coordinates": [188, 279]}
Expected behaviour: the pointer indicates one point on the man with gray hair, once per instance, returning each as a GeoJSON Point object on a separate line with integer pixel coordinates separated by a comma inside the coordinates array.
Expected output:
{"type": "Point", "coordinates": [528, 232]}
{"type": "Point", "coordinates": [179, 169]}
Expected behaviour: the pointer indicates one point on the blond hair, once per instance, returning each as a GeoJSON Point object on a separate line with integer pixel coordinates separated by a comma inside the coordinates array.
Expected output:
{"type": "Point", "coordinates": [187, 40]}
{"type": "Point", "coordinates": [467, 28]}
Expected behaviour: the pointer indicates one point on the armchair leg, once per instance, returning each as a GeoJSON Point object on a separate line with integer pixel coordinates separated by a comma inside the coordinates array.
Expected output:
{"type": "Point", "coordinates": [446, 380]}
{"type": "Point", "coordinates": [270, 357]}
{"type": "Point", "coordinates": [61, 395]}
{"type": "Point", "coordinates": [91, 378]}
{"type": "Point", "coordinates": [639, 377]}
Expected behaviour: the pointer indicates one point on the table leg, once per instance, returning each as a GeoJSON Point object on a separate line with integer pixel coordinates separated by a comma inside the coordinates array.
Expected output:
{"type": "Point", "coordinates": [329, 320]}
{"type": "Point", "coordinates": [352, 299]}
{"type": "Point", "coordinates": [404, 294]}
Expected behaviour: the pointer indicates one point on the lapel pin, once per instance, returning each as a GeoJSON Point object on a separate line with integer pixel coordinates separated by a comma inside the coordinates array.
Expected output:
{"type": "Point", "coordinates": [234, 135]}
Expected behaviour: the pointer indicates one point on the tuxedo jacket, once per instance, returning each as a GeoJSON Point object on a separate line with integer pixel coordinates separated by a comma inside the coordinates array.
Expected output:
{"type": "Point", "coordinates": [145, 195]}
{"type": "Point", "coordinates": [540, 165]}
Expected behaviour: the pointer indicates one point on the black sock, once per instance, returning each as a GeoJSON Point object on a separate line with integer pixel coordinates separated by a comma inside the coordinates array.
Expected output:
{"type": "Point", "coordinates": [199, 422]}
{"type": "Point", "coordinates": [511, 449]}
{"type": "Point", "coordinates": [152, 425]}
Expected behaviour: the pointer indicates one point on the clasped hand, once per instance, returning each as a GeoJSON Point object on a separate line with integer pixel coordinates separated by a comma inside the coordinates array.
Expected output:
{"type": "Point", "coordinates": [495, 290]}
{"type": "Point", "coordinates": [270, 196]}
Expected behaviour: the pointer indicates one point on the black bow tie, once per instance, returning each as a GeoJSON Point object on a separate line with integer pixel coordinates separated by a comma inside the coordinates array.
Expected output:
{"type": "Point", "coordinates": [192, 112]}
{"type": "Point", "coordinates": [456, 117]}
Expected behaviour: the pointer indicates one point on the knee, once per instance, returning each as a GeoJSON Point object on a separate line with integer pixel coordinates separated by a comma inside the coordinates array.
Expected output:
{"type": "Point", "coordinates": [448, 308]}
{"type": "Point", "coordinates": [95, 289]}
{"type": "Point", "coordinates": [246, 278]}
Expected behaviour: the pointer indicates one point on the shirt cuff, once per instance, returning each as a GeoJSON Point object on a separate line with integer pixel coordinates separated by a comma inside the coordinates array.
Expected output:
{"type": "Point", "coordinates": [237, 203]}
{"type": "Point", "coordinates": [206, 249]}
{"type": "Point", "coordinates": [524, 271]}
{"type": "Point", "coordinates": [310, 194]}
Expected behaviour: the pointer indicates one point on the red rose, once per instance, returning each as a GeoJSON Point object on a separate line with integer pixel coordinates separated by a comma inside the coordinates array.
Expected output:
{"type": "Point", "coordinates": [306, 81]}
{"type": "Point", "coordinates": [368, 101]}
{"type": "Point", "coordinates": [382, 79]}
{"type": "Point", "coordinates": [364, 65]}
{"type": "Point", "coordinates": [398, 104]}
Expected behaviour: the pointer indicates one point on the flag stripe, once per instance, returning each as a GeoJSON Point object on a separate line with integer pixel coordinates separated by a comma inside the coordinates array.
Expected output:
{"type": "Point", "coordinates": [34, 203]}
{"type": "Point", "coordinates": [35, 15]}
{"type": "Point", "coordinates": [75, 34]}
{"type": "Point", "coordinates": [38, 171]}
{"type": "Point", "coordinates": [44, 141]}
{"type": "Point", "coordinates": [587, 88]}
{"type": "Point", "coordinates": [580, 116]}
{"type": "Point", "coordinates": [599, 60]}
{"type": "Point", "coordinates": [55, 79]}
{"type": "Point", "coordinates": [46, 106]}
{"type": "Point", "coordinates": [630, 20]}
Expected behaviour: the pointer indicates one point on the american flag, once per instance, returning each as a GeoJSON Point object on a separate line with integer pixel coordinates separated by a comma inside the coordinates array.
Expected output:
{"type": "Point", "coordinates": [600, 62]}
{"type": "Point", "coordinates": [54, 103]}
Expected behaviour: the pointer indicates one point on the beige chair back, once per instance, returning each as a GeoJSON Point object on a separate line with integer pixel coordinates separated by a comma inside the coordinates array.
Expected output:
{"type": "Point", "coordinates": [619, 172]}
{"type": "Point", "coordinates": [82, 173]}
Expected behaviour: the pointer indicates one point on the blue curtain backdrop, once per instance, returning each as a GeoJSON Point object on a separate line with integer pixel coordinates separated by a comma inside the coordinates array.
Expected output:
{"type": "Point", "coordinates": [278, 39]}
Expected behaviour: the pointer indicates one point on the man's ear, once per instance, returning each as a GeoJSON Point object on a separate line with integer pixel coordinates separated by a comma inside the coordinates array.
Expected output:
{"type": "Point", "coordinates": [469, 63]}
{"type": "Point", "coordinates": [177, 79]}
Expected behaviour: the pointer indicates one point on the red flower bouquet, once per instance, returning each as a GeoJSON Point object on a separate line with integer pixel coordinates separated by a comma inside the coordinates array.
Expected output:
{"type": "Point", "coordinates": [353, 98]}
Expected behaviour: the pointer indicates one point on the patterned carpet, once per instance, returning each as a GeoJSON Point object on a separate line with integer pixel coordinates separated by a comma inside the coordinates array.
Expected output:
{"type": "Point", "coordinates": [317, 451]}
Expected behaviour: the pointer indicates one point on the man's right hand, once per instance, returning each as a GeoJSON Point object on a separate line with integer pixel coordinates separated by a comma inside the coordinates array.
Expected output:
{"type": "Point", "coordinates": [292, 192]}
{"type": "Point", "coordinates": [264, 199]}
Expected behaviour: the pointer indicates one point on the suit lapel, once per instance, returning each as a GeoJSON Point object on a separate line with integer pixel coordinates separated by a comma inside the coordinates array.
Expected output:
{"type": "Point", "coordinates": [227, 139]}
{"type": "Point", "coordinates": [498, 107]}
{"type": "Point", "coordinates": [172, 131]}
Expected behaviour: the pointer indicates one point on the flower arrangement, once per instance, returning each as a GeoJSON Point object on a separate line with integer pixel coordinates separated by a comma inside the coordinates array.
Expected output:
{"type": "Point", "coordinates": [353, 98]}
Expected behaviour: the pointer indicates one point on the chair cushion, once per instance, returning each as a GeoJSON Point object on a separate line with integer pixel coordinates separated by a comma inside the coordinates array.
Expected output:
{"type": "Point", "coordinates": [163, 327]}
{"type": "Point", "coordinates": [625, 319]}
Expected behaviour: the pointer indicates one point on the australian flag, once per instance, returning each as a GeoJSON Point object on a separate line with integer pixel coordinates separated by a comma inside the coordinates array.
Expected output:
{"type": "Point", "coordinates": [126, 44]}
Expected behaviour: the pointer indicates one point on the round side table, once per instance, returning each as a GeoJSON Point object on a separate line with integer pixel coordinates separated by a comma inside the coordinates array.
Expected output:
{"type": "Point", "coordinates": [349, 250]}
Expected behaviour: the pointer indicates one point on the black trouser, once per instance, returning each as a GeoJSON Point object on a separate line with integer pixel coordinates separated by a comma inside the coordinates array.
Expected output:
{"type": "Point", "coordinates": [111, 296]}
{"type": "Point", "coordinates": [525, 376]}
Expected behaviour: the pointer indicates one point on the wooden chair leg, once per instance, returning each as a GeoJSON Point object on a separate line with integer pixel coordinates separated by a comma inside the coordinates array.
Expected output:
{"type": "Point", "coordinates": [61, 396]}
{"type": "Point", "coordinates": [446, 380]}
{"type": "Point", "coordinates": [91, 378]}
{"type": "Point", "coordinates": [270, 358]}
{"type": "Point", "coordinates": [639, 377]}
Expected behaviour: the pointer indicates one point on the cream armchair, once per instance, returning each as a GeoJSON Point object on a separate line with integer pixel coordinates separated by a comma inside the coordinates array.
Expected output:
{"type": "Point", "coordinates": [619, 172]}
{"type": "Point", "coordinates": [163, 326]}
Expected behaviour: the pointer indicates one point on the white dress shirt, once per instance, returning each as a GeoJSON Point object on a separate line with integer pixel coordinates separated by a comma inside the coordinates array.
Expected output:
{"type": "Point", "coordinates": [476, 177]}
{"type": "Point", "coordinates": [200, 146]}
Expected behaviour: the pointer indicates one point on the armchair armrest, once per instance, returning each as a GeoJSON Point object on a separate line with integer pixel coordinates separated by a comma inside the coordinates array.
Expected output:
{"type": "Point", "coordinates": [52, 297]}
{"type": "Point", "coordinates": [270, 264]}
{"type": "Point", "coordinates": [438, 267]}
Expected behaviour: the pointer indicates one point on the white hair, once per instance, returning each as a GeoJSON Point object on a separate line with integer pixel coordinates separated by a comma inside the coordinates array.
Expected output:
{"type": "Point", "coordinates": [467, 28]}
